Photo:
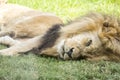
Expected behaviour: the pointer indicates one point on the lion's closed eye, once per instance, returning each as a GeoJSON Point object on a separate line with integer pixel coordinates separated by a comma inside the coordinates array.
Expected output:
{"type": "Point", "coordinates": [88, 43]}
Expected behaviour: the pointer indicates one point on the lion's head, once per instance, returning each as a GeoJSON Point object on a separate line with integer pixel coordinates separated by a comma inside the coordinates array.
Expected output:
{"type": "Point", "coordinates": [100, 44]}
{"type": "Point", "coordinates": [82, 46]}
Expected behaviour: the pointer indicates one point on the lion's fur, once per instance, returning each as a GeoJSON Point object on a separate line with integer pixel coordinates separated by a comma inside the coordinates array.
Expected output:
{"type": "Point", "coordinates": [20, 21]}
{"type": "Point", "coordinates": [91, 37]}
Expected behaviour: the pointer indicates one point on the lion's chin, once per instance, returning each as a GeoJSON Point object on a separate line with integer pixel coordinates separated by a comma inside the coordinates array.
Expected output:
{"type": "Point", "coordinates": [64, 57]}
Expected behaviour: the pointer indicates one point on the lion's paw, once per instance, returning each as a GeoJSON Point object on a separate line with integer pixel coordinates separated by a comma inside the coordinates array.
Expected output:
{"type": "Point", "coordinates": [7, 53]}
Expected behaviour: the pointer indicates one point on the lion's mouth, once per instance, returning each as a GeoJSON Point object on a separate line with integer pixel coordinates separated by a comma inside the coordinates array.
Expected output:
{"type": "Point", "coordinates": [69, 56]}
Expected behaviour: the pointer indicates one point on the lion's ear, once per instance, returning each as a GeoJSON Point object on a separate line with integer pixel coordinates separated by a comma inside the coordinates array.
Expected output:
{"type": "Point", "coordinates": [106, 24]}
{"type": "Point", "coordinates": [88, 43]}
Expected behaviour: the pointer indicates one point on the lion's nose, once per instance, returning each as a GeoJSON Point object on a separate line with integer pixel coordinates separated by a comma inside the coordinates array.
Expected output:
{"type": "Point", "coordinates": [69, 53]}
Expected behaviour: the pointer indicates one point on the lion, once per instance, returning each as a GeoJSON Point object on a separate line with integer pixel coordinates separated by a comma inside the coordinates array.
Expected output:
{"type": "Point", "coordinates": [92, 37]}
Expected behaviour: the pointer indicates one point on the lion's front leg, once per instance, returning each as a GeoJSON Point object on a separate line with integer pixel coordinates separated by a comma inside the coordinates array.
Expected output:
{"type": "Point", "coordinates": [7, 40]}
{"type": "Point", "coordinates": [21, 47]}
{"type": "Point", "coordinates": [16, 49]}
{"type": "Point", "coordinates": [8, 52]}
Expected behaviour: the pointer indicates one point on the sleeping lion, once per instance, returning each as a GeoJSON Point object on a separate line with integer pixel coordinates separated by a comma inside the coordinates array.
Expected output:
{"type": "Point", "coordinates": [93, 37]}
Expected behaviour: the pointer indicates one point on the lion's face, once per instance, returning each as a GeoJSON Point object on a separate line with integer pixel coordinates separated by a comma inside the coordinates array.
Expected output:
{"type": "Point", "coordinates": [79, 47]}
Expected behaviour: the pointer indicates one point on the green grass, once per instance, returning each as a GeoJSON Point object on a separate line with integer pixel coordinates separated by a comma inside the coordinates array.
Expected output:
{"type": "Point", "coordinates": [32, 67]}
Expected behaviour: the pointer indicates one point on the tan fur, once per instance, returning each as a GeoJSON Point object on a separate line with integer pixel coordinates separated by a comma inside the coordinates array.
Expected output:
{"type": "Point", "coordinates": [21, 21]}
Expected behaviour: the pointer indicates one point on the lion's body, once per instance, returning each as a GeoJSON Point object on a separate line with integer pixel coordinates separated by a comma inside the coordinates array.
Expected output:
{"type": "Point", "coordinates": [92, 37]}
{"type": "Point", "coordinates": [20, 21]}
{"type": "Point", "coordinates": [23, 23]}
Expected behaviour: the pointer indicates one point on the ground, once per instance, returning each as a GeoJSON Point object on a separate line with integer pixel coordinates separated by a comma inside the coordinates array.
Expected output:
{"type": "Point", "coordinates": [32, 67]}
